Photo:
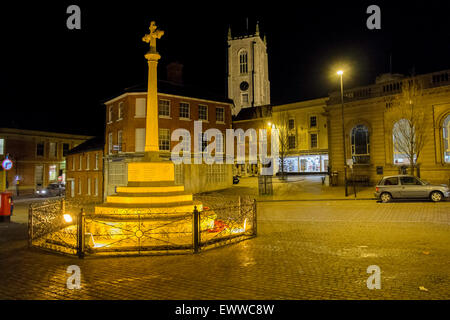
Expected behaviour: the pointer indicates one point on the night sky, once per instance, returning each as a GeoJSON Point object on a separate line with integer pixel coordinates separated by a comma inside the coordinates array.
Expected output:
{"type": "Point", "coordinates": [56, 79]}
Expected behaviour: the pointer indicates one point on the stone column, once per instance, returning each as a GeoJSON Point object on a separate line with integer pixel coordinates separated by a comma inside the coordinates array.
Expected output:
{"type": "Point", "coordinates": [151, 125]}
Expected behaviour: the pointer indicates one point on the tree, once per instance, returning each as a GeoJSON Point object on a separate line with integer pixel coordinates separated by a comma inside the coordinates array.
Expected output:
{"type": "Point", "coordinates": [281, 122]}
{"type": "Point", "coordinates": [410, 122]}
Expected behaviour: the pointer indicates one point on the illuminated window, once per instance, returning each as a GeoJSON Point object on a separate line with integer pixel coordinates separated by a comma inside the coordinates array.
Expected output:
{"type": "Point", "coordinates": [202, 112]}
{"type": "Point", "coordinates": [52, 173]}
{"type": "Point", "coordinates": [184, 110]}
{"type": "Point", "coordinates": [164, 108]}
{"type": "Point", "coordinates": [243, 62]}
{"type": "Point", "coordinates": [164, 139]}
{"type": "Point", "coordinates": [2, 146]}
{"type": "Point", "coordinates": [360, 144]}
{"type": "Point", "coordinates": [446, 136]}
{"type": "Point", "coordinates": [220, 115]}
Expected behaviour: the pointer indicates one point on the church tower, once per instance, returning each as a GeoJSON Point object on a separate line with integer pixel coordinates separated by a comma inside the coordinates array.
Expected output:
{"type": "Point", "coordinates": [248, 73]}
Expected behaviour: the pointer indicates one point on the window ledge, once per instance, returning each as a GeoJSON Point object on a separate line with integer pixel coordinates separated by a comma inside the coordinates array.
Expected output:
{"type": "Point", "coordinates": [220, 122]}
{"type": "Point", "coordinates": [202, 120]}
{"type": "Point", "coordinates": [139, 117]}
{"type": "Point", "coordinates": [164, 117]}
{"type": "Point", "coordinates": [119, 119]}
{"type": "Point", "coordinates": [109, 122]}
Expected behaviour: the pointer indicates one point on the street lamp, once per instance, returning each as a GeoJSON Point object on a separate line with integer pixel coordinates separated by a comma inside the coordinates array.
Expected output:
{"type": "Point", "coordinates": [340, 73]}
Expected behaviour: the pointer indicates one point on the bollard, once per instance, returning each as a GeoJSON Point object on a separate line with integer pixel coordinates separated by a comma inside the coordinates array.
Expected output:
{"type": "Point", "coordinates": [196, 230]}
{"type": "Point", "coordinates": [30, 226]}
{"type": "Point", "coordinates": [80, 234]}
{"type": "Point", "coordinates": [255, 222]}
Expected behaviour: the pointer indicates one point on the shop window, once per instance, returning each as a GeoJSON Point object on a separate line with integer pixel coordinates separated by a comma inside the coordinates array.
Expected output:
{"type": "Point", "coordinates": [446, 137]}
{"type": "Point", "coordinates": [360, 144]}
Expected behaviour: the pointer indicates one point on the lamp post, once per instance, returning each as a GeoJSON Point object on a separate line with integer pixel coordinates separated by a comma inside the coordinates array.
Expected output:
{"type": "Point", "coordinates": [340, 73]}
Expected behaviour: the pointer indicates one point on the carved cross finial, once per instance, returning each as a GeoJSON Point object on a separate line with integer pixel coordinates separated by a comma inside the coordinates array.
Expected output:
{"type": "Point", "coordinates": [152, 36]}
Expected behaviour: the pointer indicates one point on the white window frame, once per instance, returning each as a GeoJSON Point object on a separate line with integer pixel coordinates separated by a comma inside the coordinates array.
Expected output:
{"type": "Point", "coordinates": [188, 110]}
{"type": "Point", "coordinates": [73, 163]}
{"type": "Point", "coordinates": [167, 116]}
{"type": "Point", "coordinates": [88, 186]}
{"type": "Point", "coordinates": [110, 142]}
{"type": "Point", "coordinates": [120, 111]}
{"type": "Point", "coordinates": [96, 161]}
{"type": "Point", "coordinates": [119, 139]}
{"type": "Point", "coordinates": [164, 133]}
{"type": "Point", "coordinates": [135, 139]}
{"type": "Point", "coordinates": [223, 114]}
{"type": "Point", "coordinates": [206, 112]}
{"type": "Point", "coordinates": [110, 113]}
{"type": "Point", "coordinates": [80, 189]}
{"type": "Point", "coordinates": [87, 161]}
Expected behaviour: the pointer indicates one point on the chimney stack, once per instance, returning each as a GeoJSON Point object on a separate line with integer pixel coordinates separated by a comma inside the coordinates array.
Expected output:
{"type": "Point", "coordinates": [175, 72]}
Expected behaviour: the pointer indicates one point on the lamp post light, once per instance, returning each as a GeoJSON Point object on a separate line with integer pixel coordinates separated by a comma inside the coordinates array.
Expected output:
{"type": "Point", "coordinates": [340, 73]}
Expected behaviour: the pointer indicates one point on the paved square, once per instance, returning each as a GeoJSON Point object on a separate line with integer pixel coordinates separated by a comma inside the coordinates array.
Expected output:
{"type": "Point", "coordinates": [304, 250]}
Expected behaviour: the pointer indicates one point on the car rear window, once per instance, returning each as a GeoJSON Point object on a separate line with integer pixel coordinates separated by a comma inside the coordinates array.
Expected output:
{"type": "Point", "coordinates": [392, 181]}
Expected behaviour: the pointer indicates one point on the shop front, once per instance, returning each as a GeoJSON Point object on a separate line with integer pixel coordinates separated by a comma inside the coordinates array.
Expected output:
{"type": "Point", "coordinates": [314, 163]}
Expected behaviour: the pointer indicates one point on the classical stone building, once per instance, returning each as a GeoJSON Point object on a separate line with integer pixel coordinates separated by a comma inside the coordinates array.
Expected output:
{"type": "Point", "coordinates": [39, 158]}
{"type": "Point", "coordinates": [179, 106]}
{"type": "Point", "coordinates": [85, 171]}
{"type": "Point", "coordinates": [307, 135]}
{"type": "Point", "coordinates": [369, 131]}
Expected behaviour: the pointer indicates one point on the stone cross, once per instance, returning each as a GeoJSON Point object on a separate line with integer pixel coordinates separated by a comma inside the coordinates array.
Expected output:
{"type": "Point", "coordinates": [152, 36]}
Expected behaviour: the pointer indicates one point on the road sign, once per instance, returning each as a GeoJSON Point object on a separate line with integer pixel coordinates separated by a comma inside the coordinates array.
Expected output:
{"type": "Point", "coordinates": [7, 164]}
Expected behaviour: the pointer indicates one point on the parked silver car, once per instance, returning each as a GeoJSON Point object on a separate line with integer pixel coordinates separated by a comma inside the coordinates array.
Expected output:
{"type": "Point", "coordinates": [409, 187]}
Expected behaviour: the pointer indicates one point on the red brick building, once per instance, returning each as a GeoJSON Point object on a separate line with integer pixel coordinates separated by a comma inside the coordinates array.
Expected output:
{"type": "Point", "coordinates": [38, 158]}
{"type": "Point", "coordinates": [85, 171]}
{"type": "Point", "coordinates": [179, 107]}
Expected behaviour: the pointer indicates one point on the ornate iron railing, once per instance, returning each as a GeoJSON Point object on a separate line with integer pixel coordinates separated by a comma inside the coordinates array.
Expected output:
{"type": "Point", "coordinates": [65, 228]}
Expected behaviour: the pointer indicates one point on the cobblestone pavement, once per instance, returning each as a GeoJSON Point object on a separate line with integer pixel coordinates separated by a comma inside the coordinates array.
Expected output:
{"type": "Point", "coordinates": [304, 250]}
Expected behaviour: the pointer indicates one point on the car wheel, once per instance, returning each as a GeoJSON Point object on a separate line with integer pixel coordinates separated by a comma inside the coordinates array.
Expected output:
{"type": "Point", "coordinates": [385, 197]}
{"type": "Point", "coordinates": [436, 196]}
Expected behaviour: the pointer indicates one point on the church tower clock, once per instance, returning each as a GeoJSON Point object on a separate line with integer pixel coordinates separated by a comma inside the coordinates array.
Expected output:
{"type": "Point", "coordinates": [248, 74]}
